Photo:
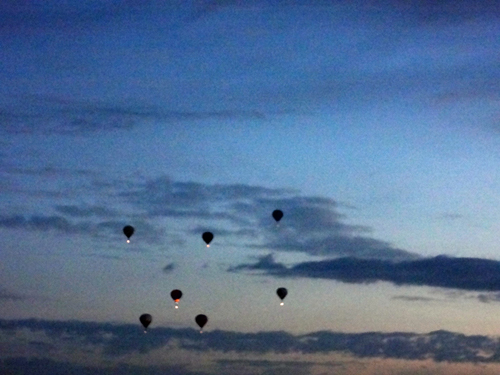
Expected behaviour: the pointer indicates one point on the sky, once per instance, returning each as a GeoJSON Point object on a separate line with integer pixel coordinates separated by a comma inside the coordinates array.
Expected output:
{"type": "Point", "coordinates": [373, 125]}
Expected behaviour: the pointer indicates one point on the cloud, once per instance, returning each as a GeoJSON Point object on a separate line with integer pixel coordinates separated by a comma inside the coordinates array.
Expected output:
{"type": "Point", "coordinates": [451, 294]}
{"type": "Point", "coordinates": [70, 119]}
{"type": "Point", "coordinates": [265, 263]}
{"type": "Point", "coordinates": [414, 298]}
{"type": "Point", "coordinates": [71, 16]}
{"type": "Point", "coordinates": [38, 182]}
{"type": "Point", "coordinates": [98, 229]}
{"type": "Point", "coordinates": [118, 341]}
{"type": "Point", "coordinates": [38, 222]}
{"type": "Point", "coordinates": [489, 297]}
{"type": "Point", "coordinates": [165, 191]}
{"type": "Point", "coordinates": [169, 268]}
{"type": "Point", "coordinates": [77, 211]}
{"type": "Point", "coordinates": [49, 115]}
{"type": "Point", "coordinates": [363, 39]}
{"type": "Point", "coordinates": [471, 274]}
{"type": "Point", "coordinates": [314, 225]}
{"type": "Point", "coordinates": [450, 216]}
{"type": "Point", "coordinates": [164, 197]}
{"type": "Point", "coordinates": [50, 171]}
{"type": "Point", "coordinates": [311, 225]}
{"type": "Point", "coordinates": [44, 366]}
{"type": "Point", "coordinates": [445, 12]}
{"type": "Point", "coordinates": [7, 295]}
{"type": "Point", "coordinates": [239, 214]}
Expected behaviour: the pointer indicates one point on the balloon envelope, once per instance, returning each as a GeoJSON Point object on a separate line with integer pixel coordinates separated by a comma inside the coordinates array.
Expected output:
{"type": "Point", "coordinates": [176, 295]}
{"type": "Point", "coordinates": [281, 292]}
{"type": "Point", "coordinates": [201, 320]}
{"type": "Point", "coordinates": [146, 320]}
{"type": "Point", "coordinates": [207, 237]}
{"type": "Point", "coordinates": [128, 230]}
{"type": "Point", "coordinates": [277, 214]}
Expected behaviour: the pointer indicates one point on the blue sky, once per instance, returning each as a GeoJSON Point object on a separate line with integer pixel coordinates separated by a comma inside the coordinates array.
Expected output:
{"type": "Point", "coordinates": [373, 126]}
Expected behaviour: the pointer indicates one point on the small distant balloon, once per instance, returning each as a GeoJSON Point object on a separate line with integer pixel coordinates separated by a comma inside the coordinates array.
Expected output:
{"type": "Point", "coordinates": [207, 237]}
{"type": "Point", "coordinates": [176, 295]}
{"type": "Point", "coordinates": [128, 231]}
{"type": "Point", "coordinates": [281, 292]}
{"type": "Point", "coordinates": [277, 215]}
{"type": "Point", "coordinates": [201, 320]}
{"type": "Point", "coordinates": [145, 320]}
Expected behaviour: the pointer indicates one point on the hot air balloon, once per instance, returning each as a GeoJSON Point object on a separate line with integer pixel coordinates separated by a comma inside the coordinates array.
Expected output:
{"type": "Point", "coordinates": [277, 215]}
{"type": "Point", "coordinates": [145, 320]}
{"type": "Point", "coordinates": [201, 320]}
{"type": "Point", "coordinates": [176, 295]}
{"type": "Point", "coordinates": [281, 292]}
{"type": "Point", "coordinates": [207, 237]}
{"type": "Point", "coordinates": [128, 231]}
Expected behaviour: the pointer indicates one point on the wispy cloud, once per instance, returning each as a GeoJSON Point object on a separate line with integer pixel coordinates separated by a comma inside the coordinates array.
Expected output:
{"type": "Point", "coordinates": [77, 211]}
{"type": "Point", "coordinates": [169, 268]}
{"type": "Point", "coordinates": [415, 299]}
{"type": "Point", "coordinates": [48, 115]}
{"type": "Point", "coordinates": [97, 229]}
{"type": "Point", "coordinates": [7, 295]}
{"type": "Point", "coordinates": [445, 12]}
{"type": "Point", "coordinates": [70, 16]}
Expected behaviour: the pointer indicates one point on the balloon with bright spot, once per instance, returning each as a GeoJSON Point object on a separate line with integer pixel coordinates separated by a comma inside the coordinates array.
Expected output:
{"type": "Point", "coordinates": [207, 237]}
{"type": "Point", "coordinates": [281, 292]}
{"type": "Point", "coordinates": [128, 231]}
{"type": "Point", "coordinates": [176, 295]}
{"type": "Point", "coordinates": [201, 320]}
{"type": "Point", "coordinates": [145, 320]}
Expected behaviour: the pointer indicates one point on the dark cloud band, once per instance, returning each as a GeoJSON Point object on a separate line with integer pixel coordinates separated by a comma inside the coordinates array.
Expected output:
{"type": "Point", "coordinates": [117, 340]}
{"type": "Point", "coordinates": [472, 274]}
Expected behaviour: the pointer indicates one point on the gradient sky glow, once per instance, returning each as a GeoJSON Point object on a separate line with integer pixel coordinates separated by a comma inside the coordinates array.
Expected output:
{"type": "Point", "coordinates": [374, 126]}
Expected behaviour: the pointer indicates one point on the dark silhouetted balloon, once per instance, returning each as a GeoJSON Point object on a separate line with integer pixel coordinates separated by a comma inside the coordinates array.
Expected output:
{"type": "Point", "coordinates": [128, 231]}
{"type": "Point", "coordinates": [176, 295]}
{"type": "Point", "coordinates": [281, 292]}
{"type": "Point", "coordinates": [145, 320]}
{"type": "Point", "coordinates": [201, 320]}
{"type": "Point", "coordinates": [207, 237]}
{"type": "Point", "coordinates": [277, 214]}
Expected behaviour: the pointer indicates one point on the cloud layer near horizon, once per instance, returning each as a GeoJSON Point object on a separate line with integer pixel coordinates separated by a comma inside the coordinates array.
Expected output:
{"type": "Point", "coordinates": [117, 341]}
